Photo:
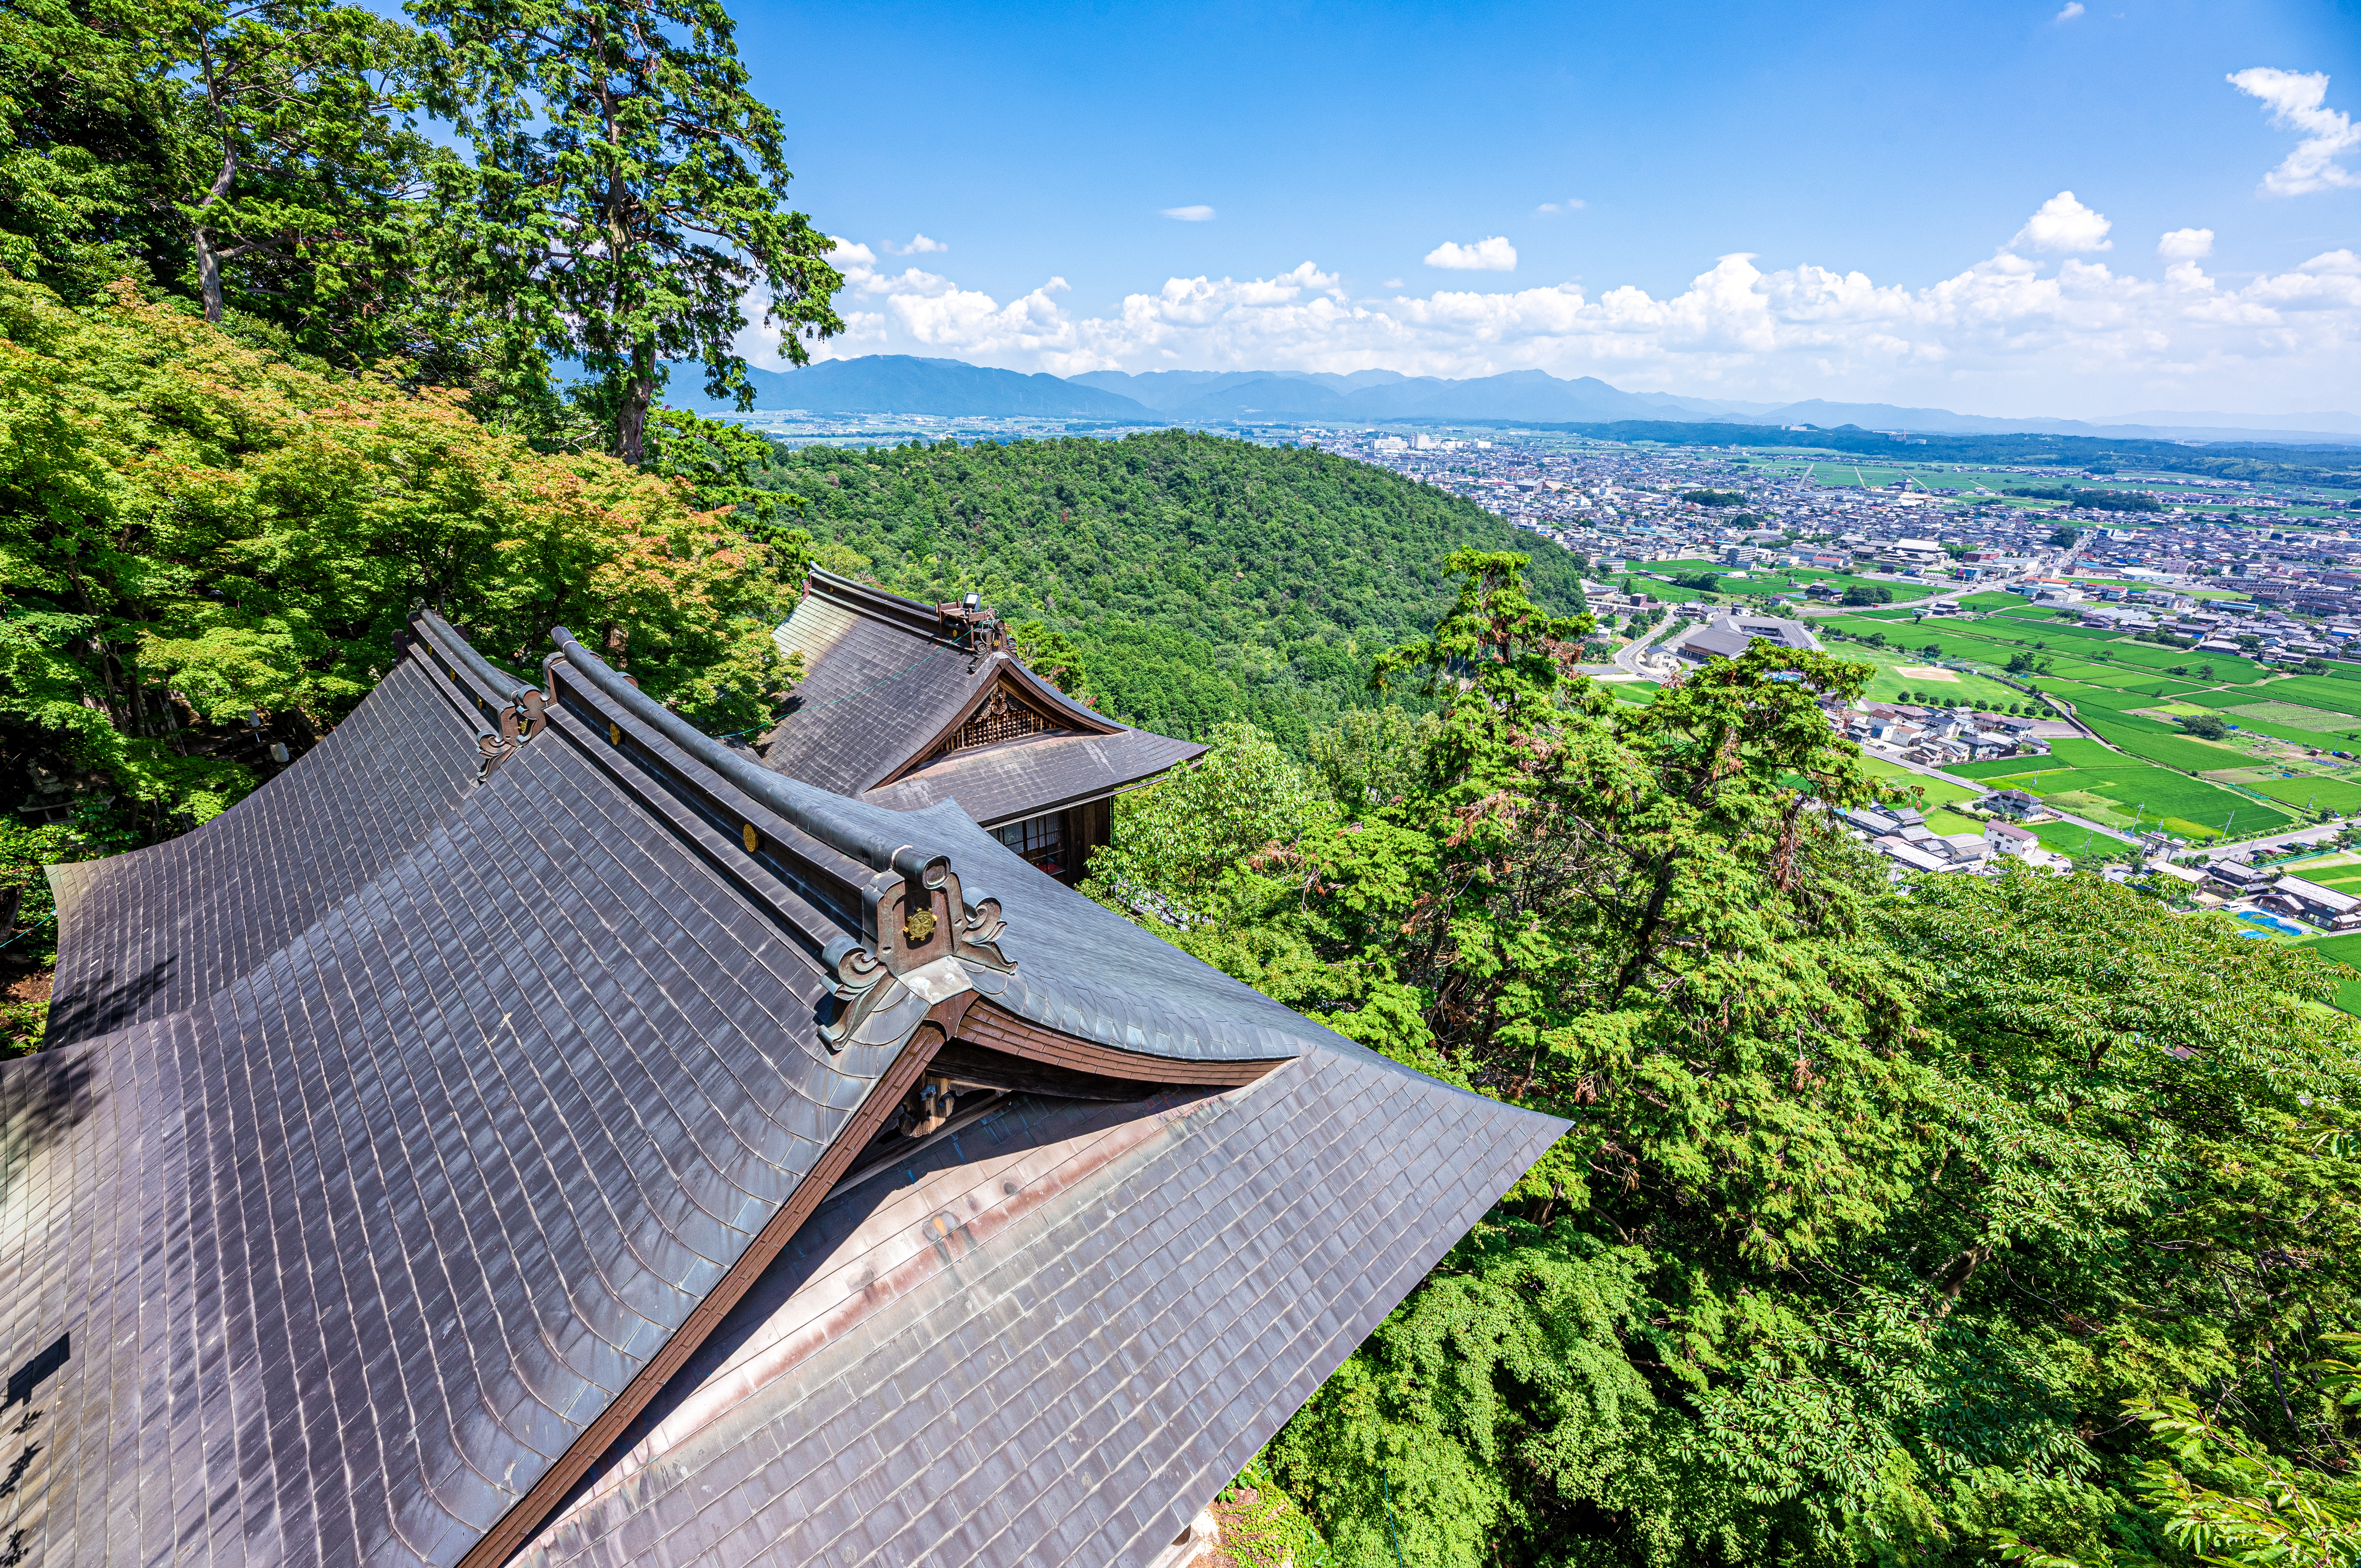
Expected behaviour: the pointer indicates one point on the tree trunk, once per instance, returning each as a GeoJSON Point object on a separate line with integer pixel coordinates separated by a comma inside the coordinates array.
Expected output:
{"type": "Point", "coordinates": [209, 283]}
{"type": "Point", "coordinates": [632, 418]}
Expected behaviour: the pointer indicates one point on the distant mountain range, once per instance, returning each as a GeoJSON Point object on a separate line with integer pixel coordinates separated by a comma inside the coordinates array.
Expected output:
{"type": "Point", "coordinates": [899, 384]}
{"type": "Point", "coordinates": [896, 383]}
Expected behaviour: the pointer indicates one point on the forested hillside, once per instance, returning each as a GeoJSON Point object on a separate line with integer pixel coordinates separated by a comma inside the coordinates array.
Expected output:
{"type": "Point", "coordinates": [1979, 1221]}
{"type": "Point", "coordinates": [1199, 579]}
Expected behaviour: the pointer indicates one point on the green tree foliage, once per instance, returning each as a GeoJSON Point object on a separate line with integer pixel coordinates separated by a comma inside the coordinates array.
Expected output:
{"type": "Point", "coordinates": [297, 198]}
{"type": "Point", "coordinates": [1202, 579]}
{"type": "Point", "coordinates": [2232, 1500]}
{"type": "Point", "coordinates": [1715, 498]}
{"type": "Point", "coordinates": [2094, 500]}
{"type": "Point", "coordinates": [1877, 1208]}
{"type": "Point", "coordinates": [2205, 725]}
{"type": "Point", "coordinates": [195, 533]}
{"type": "Point", "coordinates": [1868, 593]}
{"type": "Point", "coordinates": [254, 158]}
{"type": "Point", "coordinates": [718, 461]}
{"type": "Point", "coordinates": [90, 148]}
{"type": "Point", "coordinates": [626, 194]}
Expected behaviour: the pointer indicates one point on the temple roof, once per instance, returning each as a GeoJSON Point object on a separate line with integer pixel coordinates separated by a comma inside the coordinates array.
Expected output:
{"type": "Point", "coordinates": [493, 1135]}
{"type": "Point", "coordinates": [898, 706]}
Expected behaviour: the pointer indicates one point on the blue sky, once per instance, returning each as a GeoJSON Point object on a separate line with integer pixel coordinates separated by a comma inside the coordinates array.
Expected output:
{"type": "Point", "coordinates": [1870, 162]}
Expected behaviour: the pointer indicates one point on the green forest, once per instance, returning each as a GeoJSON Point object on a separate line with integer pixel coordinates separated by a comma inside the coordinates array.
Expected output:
{"type": "Point", "coordinates": [1986, 1220]}
{"type": "Point", "coordinates": [1196, 579]}
{"type": "Point", "coordinates": [1970, 1222]}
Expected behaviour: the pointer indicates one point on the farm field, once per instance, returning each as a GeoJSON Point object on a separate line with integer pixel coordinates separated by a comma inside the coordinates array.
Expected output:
{"type": "Point", "coordinates": [2160, 742]}
{"type": "Point", "coordinates": [2085, 778]}
{"type": "Point", "coordinates": [2344, 950]}
{"type": "Point", "coordinates": [1854, 476]}
{"type": "Point", "coordinates": [2318, 791]}
{"type": "Point", "coordinates": [2008, 768]}
{"type": "Point", "coordinates": [2073, 651]}
{"type": "Point", "coordinates": [1763, 580]}
{"type": "Point", "coordinates": [2320, 691]}
{"type": "Point", "coordinates": [2073, 839]}
{"type": "Point", "coordinates": [1662, 593]}
{"type": "Point", "coordinates": [2295, 715]}
{"type": "Point", "coordinates": [1940, 792]}
{"type": "Point", "coordinates": [2151, 796]}
{"type": "Point", "coordinates": [2340, 875]}
{"type": "Point", "coordinates": [2261, 722]}
{"type": "Point", "coordinates": [1889, 686]}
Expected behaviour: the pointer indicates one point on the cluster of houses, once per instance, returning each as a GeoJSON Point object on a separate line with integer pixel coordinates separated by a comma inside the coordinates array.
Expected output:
{"type": "Point", "coordinates": [2266, 889]}
{"type": "Point", "coordinates": [1900, 833]}
{"type": "Point", "coordinates": [2215, 626]}
{"type": "Point", "coordinates": [1938, 735]}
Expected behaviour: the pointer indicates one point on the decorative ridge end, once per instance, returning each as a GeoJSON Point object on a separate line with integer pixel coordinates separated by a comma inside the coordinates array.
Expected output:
{"type": "Point", "coordinates": [930, 944]}
{"type": "Point", "coordinates": [522, 708]}
{"type": "Point", "coordinates": [924, 938]}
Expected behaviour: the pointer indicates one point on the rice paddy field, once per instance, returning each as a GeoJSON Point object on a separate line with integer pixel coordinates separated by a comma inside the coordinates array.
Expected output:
{"type": "Point", "coordinates": [1939, 792]}
{"type": "Point", "coordinates": [2273, 771]}
{"type": "Point", "coordinates": [2131, 793]}
{"type": "Point", "coordinates": [2073, 839]}
{"type": "Point", "coordinates": [1745, 581]}
{"type": "Point", "coordinates": [2344, 950]}
{"type": "Point", "coordinates": [1947, 686]}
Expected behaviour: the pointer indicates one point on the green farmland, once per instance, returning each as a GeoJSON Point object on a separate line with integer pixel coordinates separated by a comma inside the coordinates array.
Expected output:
{"type": "Point", "coordinates": [2087, 780]}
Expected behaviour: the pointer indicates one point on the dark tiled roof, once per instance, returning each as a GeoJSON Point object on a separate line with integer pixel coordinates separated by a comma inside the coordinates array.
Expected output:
{"type": "Point", "coordinates": [160, 929]}
{"type": "Point", "coordinates": [441, 1147]}
{"type": "Point", "coordinates": [1024, 778]}
{"type": "Point", "coordinates": [1143, 1292]}
{"type": "Point", "coordinates": [872, 692]}
{"type": "Point", "coordinates": [885, 677]}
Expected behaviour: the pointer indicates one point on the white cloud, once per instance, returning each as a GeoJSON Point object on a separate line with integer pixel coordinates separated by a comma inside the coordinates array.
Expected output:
{"type": "Point", "coordinates": [2012, 335]}
{"type": "Point", "coordinates": [2185, 245]}
{"type": "Point", "coordinates": [1571, 204]}
{"type": "Point", "coordinates": [1191, 214]}
{"type": "Point", "coordinates": [2063, 224]}
{"type": "Point", "coordinates": [2299, 102]}
{"type": "Point", "coordinates": [1494, 255]}
{"type": "Point", "coordinates": [2073, 8]}
{"type": "Point", "coordinates": [919, 246]}
{"type": "Point", "coordinates": [1391, 283]}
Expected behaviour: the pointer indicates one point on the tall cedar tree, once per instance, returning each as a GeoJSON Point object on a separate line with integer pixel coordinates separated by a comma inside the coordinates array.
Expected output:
{"type": "Point", "coordinates": [299, 190]}
{"type": "Point", "coordinates": [254, 157]}
{"type": "Point", "coordinates": [88, 148]}
{"type": "Point", "coordinates": [628, 192]}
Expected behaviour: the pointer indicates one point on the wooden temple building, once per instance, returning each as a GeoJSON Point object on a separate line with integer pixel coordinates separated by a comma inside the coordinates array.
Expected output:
{"type": "Point", "coordinates": [527, 1131]}
{"type": "Point", "coordinates": [910, 704]}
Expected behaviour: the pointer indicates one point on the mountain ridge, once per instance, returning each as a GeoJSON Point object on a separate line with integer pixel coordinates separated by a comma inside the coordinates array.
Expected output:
{"type": "Point", "coordinates": [905, 384]}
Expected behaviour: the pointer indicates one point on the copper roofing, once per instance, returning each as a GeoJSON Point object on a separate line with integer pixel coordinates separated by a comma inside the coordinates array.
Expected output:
{"type": "Point", "coordinates": [480, 1140]}
{"type": "Point", "coordinates": [888, 686]}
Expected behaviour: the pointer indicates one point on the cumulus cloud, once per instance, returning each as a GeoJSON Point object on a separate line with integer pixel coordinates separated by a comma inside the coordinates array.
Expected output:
{"type": "Point", "coordinates": [2299, 102]}
{"type": "Point", "coordinates": [919, 246]}
{"type": "Point", "coordinates": [2065, 225]}
{"type": "Point", "coordinates": [2014, 333]}
{"type": "Point", "coordinates": [2072, 9]}
{"type": "Point", "coordinates": [1191, 214]}
{"type": "Point", "coordinates": [1494, 255]}
{"type": "Point", "coordinates": [1571, 204]}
